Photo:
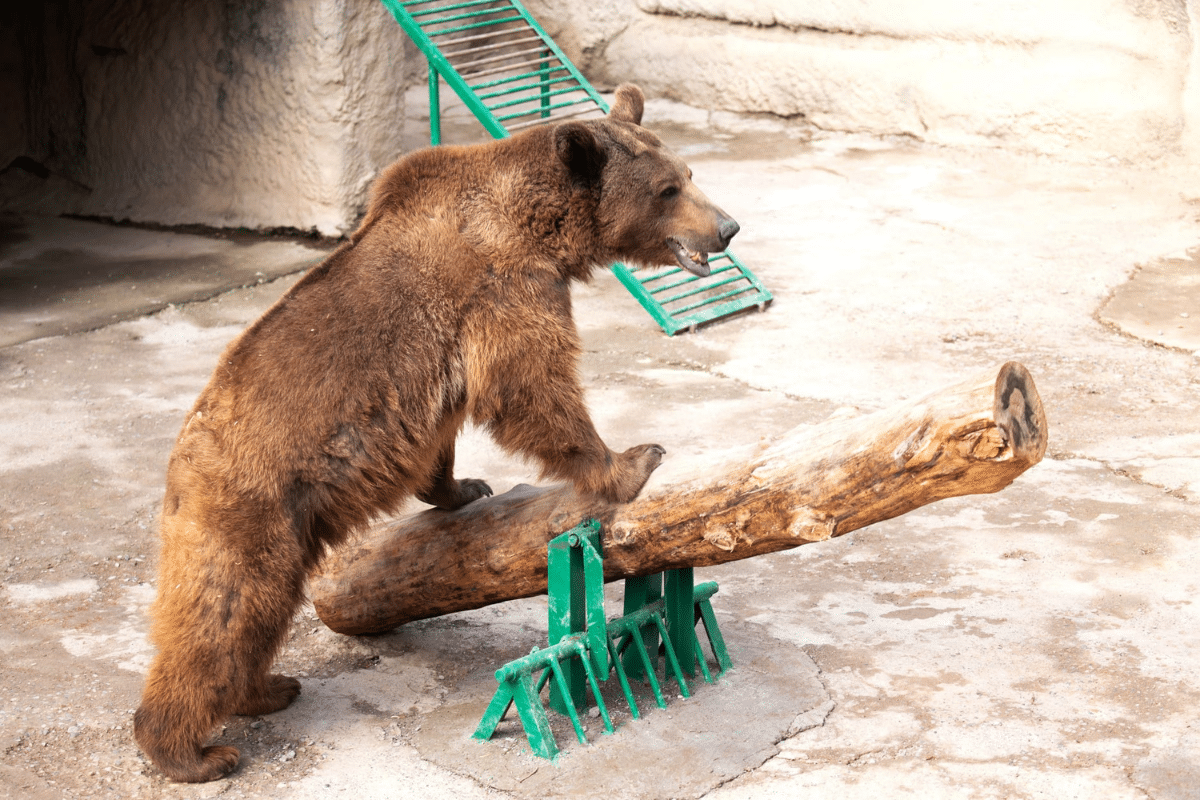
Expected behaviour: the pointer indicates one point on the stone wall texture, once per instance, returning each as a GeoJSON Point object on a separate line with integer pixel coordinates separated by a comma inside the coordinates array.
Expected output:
{"type": "Point", "coordinates": [1082, 78]}
{"type": "Point", "coordinates": [278, 113]}
{"type": "Point", "coordinates": [237, 114]}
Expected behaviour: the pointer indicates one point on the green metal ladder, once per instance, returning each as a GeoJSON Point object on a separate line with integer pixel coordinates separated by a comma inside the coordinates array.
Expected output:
{"type": "Point", "coordinates": [511, 75]}
{"type": "Point", "coordinates": [584, 649]}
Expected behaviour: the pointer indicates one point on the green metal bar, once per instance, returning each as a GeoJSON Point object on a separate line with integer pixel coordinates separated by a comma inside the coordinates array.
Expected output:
{"type": "Point", "coordinates": [443, 67]}
{"type": "Point", "coordinates": [575, 593]}
{"type": "Point", "coordinates": [567, 615]}
{"type": "Point", "coordinates": [672, 659]}
{"type": "Point", "coordinates": [676, 298]}
{"type": "Point", "coordinates": [424, 23]}
{"type": "Point", "coordinates": [715, 640]}
{"type": "Point", "coordinates": [686, 279]}
{"type": "Point", "coordinates": [717, 311]}
{"type": "Point", "coordinates": [649, 668]}
{"type": "Point", "coordinates": [533, 718]}
{"type": "Point", "coordinates": [657, 312]}
{"type": "Point", "coordinates": [435, 107]}
{"type": "Point", "coordinates": [681, 616]}
{"type": "Point", "coordinates": [616, 656]}
{"type": "Point", "coordinates": [472, 27]}
{"type": "Point", "coordinates": [640, 592]}
{"type": "Point", "coordinates": [455, 7]}
{"type": "Point", "coordinates": [523, 38]}
{"type": "Point", "coordinates": [517, 688]}
{"type": "Point", "coordinates": [593, 578]}
{"type": "Point", "coordinates": [545, 100]}
{"type": "Point", "coordinates": [523, 87]}
{"type": "Point", "coordinates": [546, 87]}
{"type": "Point", "coordinates": [554, 107]}
{"type": "Point", "coordinates": [702, 288]}
{"type": "Point", "coordinates": [560, 683]}
{"type": "Point", "coordinates": [518, 77]}
{"type": "Point", "coordinates": [709, 301]}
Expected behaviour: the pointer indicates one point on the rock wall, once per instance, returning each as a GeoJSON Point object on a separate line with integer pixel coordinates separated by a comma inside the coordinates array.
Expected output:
{"type": "Point", "coordinates": [236, 114]}
{"type": "Point", "coordinates": [278, 113]}
{"type": "Point", "coordinates": [1089, 78]}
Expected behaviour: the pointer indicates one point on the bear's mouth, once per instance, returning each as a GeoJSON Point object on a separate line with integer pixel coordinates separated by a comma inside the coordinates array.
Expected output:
{"type": "Point", "coordinates": [691, 260]}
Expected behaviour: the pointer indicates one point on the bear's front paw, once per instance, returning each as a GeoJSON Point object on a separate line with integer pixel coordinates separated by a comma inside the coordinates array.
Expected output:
{"type": "Point", "coordinates": [472, 489]}
{"type": "Point", "coordinates": [456, 494]}
{"type": "Point", "coordinates": [631, 472]}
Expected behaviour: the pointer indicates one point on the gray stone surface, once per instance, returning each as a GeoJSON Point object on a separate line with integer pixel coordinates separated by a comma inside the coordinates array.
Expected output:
{"type": "Point", "coordinates": [1039, 642]}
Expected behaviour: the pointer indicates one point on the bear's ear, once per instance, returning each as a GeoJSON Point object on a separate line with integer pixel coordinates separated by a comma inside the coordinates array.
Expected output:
{"type": "Point", "coordinates": [579, 150]}
{"type": "Point", "coordinates": [628, 104]}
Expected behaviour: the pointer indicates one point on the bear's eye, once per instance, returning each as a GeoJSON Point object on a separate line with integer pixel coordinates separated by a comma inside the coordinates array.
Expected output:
{"type": "Point", "coordinates": [669, 192]}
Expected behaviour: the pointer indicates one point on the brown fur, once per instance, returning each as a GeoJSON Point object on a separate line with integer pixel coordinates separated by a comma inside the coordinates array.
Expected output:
{"type": "Point", "coordinates": [451, 302]}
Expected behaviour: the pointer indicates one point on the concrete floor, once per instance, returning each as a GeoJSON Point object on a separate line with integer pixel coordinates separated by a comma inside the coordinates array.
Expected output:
{"type": "Point", "coordinates": [1041, 642]}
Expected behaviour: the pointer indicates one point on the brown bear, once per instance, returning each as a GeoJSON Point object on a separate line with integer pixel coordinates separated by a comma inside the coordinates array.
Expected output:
{"type": "Point", "coordinates": [450, 302]}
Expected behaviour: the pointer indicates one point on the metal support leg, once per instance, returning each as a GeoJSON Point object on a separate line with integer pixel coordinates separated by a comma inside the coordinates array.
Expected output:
{"type": "Point", "coordinates": [639, 593]}
{"type": "Point", "coordinates": [681, 616]}
{"type": "Point", "coordinates": [435, 108]}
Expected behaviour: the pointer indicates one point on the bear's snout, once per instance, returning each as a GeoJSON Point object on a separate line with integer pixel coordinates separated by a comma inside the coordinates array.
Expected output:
{"type": "Point", "coordinates": [727, 228]}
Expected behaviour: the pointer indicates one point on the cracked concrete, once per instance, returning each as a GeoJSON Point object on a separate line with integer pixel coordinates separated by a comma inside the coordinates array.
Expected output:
{"type": "Point", "coordinates": [1040, 642]}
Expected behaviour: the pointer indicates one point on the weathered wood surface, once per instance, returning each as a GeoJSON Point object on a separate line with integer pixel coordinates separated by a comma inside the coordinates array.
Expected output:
{"type": "Point", "coordinates": [809, 485]}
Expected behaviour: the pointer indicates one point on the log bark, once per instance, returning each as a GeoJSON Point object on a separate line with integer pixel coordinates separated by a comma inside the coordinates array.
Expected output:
{"type": "Point", "coordinates": [809, 485]}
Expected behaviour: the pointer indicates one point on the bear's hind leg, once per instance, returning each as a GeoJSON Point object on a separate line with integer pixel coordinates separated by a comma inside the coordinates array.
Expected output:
{"type": "Point", "coordinates": [263, 634]}
{"type": "Point", "coordinates": [174, 719]}
{"type": "Point", "coordinates": [224, 607]}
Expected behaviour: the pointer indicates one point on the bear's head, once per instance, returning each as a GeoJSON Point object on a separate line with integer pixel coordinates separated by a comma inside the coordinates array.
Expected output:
{"type": "Point", "coordinates": [649, 210]}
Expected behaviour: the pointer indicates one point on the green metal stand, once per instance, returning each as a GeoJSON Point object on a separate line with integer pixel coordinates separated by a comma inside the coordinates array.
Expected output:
{"type": "Point", "coordinates": [584, 649]}
{"type": "Point", "coordinates": [512, 75]}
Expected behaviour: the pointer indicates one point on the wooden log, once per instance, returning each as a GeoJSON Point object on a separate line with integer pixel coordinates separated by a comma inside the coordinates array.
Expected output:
{"type": "Point", "coordinates": [809, 485]}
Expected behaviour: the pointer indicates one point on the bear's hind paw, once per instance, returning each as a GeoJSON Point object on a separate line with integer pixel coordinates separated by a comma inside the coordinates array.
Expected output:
{"type": "Point", "coordinates": [277, 694]}
{"type": "Point", "coordinates": [214, 763]}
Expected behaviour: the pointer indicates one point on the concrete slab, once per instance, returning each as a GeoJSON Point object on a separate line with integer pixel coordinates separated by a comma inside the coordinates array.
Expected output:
{"type": "Point", "coordinates": [1159, 303]}
{"type": "Point", "coordinates": [1037, 643]}
{"type": "Point", "coordinates": [64, 275]}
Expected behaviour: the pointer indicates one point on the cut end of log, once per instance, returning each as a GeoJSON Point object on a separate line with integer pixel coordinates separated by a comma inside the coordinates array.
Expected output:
{"type": "Point", "coordinates": [1018, 412]}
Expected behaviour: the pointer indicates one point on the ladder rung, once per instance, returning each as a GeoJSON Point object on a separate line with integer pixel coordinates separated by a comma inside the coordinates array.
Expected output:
{"type": "Point", "coordinates": [687, 278]}
{"type": "Point", "coordinates": [410, 3]}
{"type": "Point", "coordinates": [484, 12]}
{"type": "Point", "coordinates": [465, 65]}
{"type": "Point", "coordinates": [475, 87]}
{"type": "Point", "coordinates": [700, 290]}
{"type": "Point", "coordinates": [507, 57]}
{"type": "Point", "coordinates": [487, 48]}
{"type": "Point", "coordinates": [531, 66]}
{"type": "Point", "coordinates": [501, 5]}
{"type": "Point", "coordinates": [490, 35]}
{"type": "Point", "coordinates": [552, 118]}
{"type": "Point", "coordinates": [538, 97]}
{"type": "Point", "coordinates": [710, 301]}
{"type": "Point", "coordinates": [470, 51]}
{"type": "Point", "coordinates": [537, 86]}
{"type": "Point", "coordinates": [545, 109]}
{"type": "Point", "coordinates": [472, 26]}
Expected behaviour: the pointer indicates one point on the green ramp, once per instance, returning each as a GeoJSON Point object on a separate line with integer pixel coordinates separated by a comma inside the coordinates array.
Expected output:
{"type": "Point", "coordinates": [512, 75]}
